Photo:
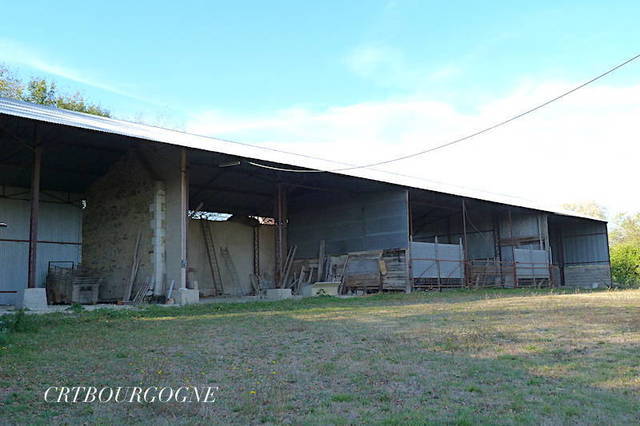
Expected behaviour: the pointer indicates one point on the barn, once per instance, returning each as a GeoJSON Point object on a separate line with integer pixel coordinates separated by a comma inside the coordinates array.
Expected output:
{"type": "Point", "coordinates": [97, 210]}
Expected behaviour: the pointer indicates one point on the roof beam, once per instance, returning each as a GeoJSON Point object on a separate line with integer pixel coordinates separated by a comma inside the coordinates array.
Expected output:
{"type": "Point", "coordinates": [205, 188]}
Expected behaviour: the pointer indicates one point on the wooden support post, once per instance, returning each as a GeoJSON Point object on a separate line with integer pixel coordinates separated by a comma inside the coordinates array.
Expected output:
{"type": "Point", "coordinates": [35, 212]}
{"type": "Point", "coordinates": [539, 223]}
{"type": "Point", "coordinates": [464, 237]}
{"type": "Point", "coordinates": [462, 264]}
{"type": "Point", "coordinates": [256, 250]}
{"type": "Point", "coordinates": [435, 246]}
{"type": "Point", "coordinates": [408, 259]}
{"type": "Point", "coordinates": [513, 248]}
{"type": "Point", "coordinates": [281, 233]}
{"type": "Point", "coordinates": [498, 247]}
{"type": "Point", "coordinates": [184, 207]}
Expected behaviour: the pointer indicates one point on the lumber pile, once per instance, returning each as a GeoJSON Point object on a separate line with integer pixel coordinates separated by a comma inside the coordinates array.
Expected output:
{"type": "Point", "coordinates": [363, 271]}
{"type": "Point", "coordinates": [396, 275]}
{"type": "Point", "coordinates": [72, 285]}
{"type": "Point", "coordinates": [367, 271]}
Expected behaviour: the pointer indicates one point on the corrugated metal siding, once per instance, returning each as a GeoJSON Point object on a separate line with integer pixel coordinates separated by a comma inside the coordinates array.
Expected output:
{"type": "Point", "coordinates": [13, 269]}
{"type": "Point", "coordinates": [369, 222]}
{"type": "Point", "coordinates": [585, 242]}
{"type": "Point", "coordinates": [481, 245]}
{"type": "Point", "coordinates": [480, 234]}
{"type": "Point", "coordinates": [520, 226]}
{"type": "Point", "coordinates": [58, 222]}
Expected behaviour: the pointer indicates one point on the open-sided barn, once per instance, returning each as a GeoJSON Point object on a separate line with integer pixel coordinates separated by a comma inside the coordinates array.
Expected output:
{"type": "Point", "coordinates": [106, 210]}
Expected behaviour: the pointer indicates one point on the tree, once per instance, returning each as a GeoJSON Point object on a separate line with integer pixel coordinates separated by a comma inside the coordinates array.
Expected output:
{"type": "Point", "coordinates": [10, 86]}
{"type": "Point", "coordinates": [626, 230]}
{"type": "Point", "coordinates": [77, 103]}
{"type": "Point", "coordinates": [588, 208]}
{"type": "Point", "coordinates": [40, 91]}
{"type": "Point", "coordinates": [625, 264]}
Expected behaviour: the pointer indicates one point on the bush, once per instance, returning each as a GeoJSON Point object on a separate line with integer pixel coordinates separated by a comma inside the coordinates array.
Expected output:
{"type": "Point", "coordinates": [625, 264]}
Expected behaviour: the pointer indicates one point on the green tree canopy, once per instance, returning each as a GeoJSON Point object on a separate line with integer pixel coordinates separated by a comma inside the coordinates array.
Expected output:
{"type": "Point", "coordinates": [627, 230]}
{"type": "Point", "coordinates": [625, 264]}
{"type": "Point", "coordinates": [10, 86]}
{"type": "Point", "coordinates": [588, 208]}
{"type": "Point", "coordinates": [41, 91]}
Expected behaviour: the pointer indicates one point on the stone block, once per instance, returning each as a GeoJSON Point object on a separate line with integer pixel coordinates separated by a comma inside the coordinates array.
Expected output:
{"type": "Point", "coordinates": [278, 293]}
{"type": "Point", "coordinates": [186, 296]}
{"type": "Point", "coordinates": [321, 288]}
{"type": "Point", "coordinates": [34, 299]}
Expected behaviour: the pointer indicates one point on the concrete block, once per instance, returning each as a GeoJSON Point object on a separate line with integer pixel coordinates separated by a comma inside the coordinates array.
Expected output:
{"type": "Point", "coordinates": [187, 296]}
{"type": "Point", "coordinates": [321, 288]}
{"type": "Point", "coordinates": [34, 299]}
{"type": "Point", "coordinates": [278, 293]}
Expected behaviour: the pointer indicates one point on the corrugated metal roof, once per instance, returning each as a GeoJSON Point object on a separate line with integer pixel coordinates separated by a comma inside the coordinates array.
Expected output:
{"type": "Point", "coordinates": [125, 128]}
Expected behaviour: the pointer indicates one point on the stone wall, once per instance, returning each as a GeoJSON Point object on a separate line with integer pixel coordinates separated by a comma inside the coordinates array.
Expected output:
{"type": "Point", "coordinates": [118, 209]}
{"type": "Point", "coordinates": [587, 275]}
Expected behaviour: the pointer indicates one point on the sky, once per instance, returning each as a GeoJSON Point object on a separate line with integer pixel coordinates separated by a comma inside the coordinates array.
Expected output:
{"type": "Point", "coordinates": [363, 81]}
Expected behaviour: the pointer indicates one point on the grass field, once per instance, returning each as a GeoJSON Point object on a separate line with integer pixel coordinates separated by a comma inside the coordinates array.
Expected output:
{"type": "Point", "coordinates": [456, 357]}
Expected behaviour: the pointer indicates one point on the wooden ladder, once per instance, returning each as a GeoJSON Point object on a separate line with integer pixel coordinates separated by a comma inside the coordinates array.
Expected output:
{"type": "Point", "coordinates": [231, 268]}
{"type": "Point", "coordinates": [212, 258]}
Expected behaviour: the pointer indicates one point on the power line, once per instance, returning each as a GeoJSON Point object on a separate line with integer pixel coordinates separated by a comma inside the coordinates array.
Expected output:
{"type": "Point", "coordinates": [462, 139]}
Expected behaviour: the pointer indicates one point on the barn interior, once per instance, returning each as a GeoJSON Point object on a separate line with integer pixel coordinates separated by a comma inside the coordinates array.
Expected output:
{"type": "Point", "coordinates": [112, 209]}
{"type": "Point", "coordinates": [99, 217]}
{"type": "Point", "coordinates": [458, 241]}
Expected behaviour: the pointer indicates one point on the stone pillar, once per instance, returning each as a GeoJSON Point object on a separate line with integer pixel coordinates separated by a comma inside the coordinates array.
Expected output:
{"type": "Point", "coordinates": [184, 208]}
{"type": "Point", "coordinates": [158, 225]}
{"type": "Point", "coordinates": [172, 165]}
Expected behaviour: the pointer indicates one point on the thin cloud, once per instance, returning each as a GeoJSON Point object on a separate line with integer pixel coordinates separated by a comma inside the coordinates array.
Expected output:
{"type": "Point", "coordinates": [14, 52]}
{"type": "Point", "coordinates": [581, 148]}
{"type": "Point", "coordinates": [389, 67]}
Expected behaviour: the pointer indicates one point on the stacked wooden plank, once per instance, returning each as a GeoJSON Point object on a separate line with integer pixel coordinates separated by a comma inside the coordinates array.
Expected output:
{"type": "Point", "coordinates": [72, 285]}
{"type": "Point", "coordinates": [366, 271]}
{"type": "Point", "coordinates": [396, 275]}
{"type": "Point", "coordinates": [363, 271]}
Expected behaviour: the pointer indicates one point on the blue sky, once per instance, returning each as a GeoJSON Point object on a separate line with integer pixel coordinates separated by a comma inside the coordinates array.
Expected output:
{"type": "Point", "coordinates": [281, 72]}
{"type": "Point", "coordinates": [252, 57]}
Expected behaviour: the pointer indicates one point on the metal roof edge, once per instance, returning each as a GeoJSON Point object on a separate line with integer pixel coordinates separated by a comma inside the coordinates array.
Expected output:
{"type": "Point", "coordinates": [109, 125]}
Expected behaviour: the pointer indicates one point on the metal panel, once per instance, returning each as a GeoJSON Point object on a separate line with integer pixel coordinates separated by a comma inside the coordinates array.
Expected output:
{"type": "Point", "coordinates": [520, 226]}
{"type": "Point", "coordinates": [531, 263]}
{"type": "Point", "coordinates": [375, 221]}
{"type": "Point", "coordinates": [428, 258]}
{"type": "Point", "coordinates": [481, 245]}
{"type": "Point", "coordinates": [13, 269]}
{"type": "Point", "coordinates": [15, 213]}
{"type": "Point", "coordinates": [61, 223]}
{"type": "Point", "coordinates": [585, 242]}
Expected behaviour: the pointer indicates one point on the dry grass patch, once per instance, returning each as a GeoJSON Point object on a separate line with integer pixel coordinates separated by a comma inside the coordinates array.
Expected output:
{"type": "Point", "coordinates": [495, 357]}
